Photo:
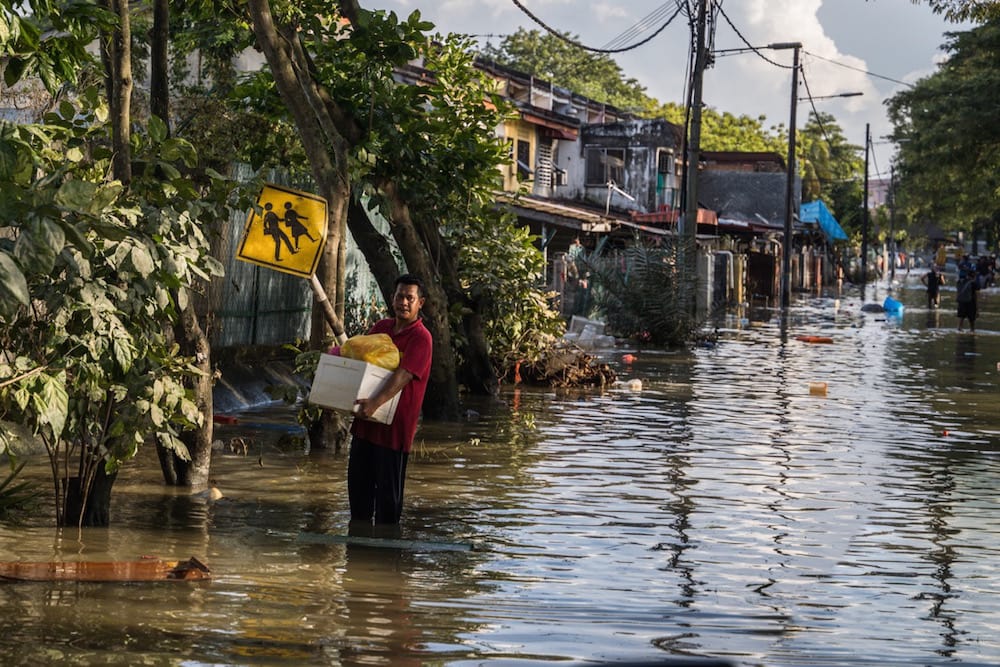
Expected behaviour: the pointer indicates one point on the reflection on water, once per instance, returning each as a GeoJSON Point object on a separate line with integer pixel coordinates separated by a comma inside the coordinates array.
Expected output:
{"type": "Point", "coordinates": [723, 511]}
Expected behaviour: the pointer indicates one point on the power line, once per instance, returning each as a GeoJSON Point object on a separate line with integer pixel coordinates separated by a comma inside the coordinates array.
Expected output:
{"type": "Point", "coordinates": [750, 46]}
{"type": "Point", "coordinates": [858, 69]}
{"type": "Point", "coordinates": [642, 25]}
{"type": "Point", "coordinates": [812, 103]}
{"type": "Point", "coordinates": [559, 35]}
{"type": "Point", "coordinates": [874, 159]}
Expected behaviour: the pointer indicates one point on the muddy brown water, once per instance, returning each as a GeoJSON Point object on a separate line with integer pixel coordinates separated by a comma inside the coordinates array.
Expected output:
{"type": "Point", "coordinates": [722, 512]}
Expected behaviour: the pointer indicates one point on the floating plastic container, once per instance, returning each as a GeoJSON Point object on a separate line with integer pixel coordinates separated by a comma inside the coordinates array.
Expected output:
{"type": "Point", "coordinates": [579, 324]}
{"type": "Point", "coordinates": [891, 306]}
{"type": "Point", "coordinates": [817, 388]}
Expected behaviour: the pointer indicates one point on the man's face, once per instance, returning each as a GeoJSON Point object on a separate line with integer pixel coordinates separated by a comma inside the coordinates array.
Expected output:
{"type": "Point", "coordinates": [407, 302]}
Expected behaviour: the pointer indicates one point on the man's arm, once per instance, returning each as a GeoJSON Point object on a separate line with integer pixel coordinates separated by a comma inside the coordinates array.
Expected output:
{"type": "Point", "coordinates": [399, 379]}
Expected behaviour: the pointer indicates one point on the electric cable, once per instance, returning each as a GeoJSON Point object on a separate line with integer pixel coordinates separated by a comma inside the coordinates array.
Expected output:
{"type": "Point", "coordinates": [555, 33]}
{"type": "Point", "coordinates": [858, 69]}
{"type": "Point", "coordinates": [641, 26]}
{"type": "Point", "coordinates": [750, 46]}
{"type": "Point", "coordinates": [812, 103]}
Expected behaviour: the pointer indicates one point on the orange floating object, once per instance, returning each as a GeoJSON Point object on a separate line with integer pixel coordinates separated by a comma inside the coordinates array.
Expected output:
{"type": "Point", "coordinates": [817, 388]}
{"type": "Point", "coordinates": [147, 569]}
{"type": "Point", "coordinates": [814, 339]}
{"type": "Point", "coordinates": [628, 358]}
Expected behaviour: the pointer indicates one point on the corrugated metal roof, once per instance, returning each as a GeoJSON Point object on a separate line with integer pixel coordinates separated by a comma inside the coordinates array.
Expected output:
{"type": "Point", "coordinates": [582, 219]}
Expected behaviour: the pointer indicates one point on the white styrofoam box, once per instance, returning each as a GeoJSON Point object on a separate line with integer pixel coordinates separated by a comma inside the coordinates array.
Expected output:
{"type": "Point", "coordinates": [340, 381]}
{"type": "Point", "coordinates": [578, 324]}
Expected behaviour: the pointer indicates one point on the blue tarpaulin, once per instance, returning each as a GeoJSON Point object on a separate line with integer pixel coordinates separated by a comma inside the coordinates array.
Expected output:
{"type": "Point", "coordinates": [816, 211]}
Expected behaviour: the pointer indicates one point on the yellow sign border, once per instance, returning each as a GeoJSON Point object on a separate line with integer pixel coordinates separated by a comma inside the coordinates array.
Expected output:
{"type": "Point", "coordinates": [254, 219]}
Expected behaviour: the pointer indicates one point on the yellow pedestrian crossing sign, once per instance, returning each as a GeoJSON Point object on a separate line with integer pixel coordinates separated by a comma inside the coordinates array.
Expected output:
{"type": "Point", "coordinates": [285, 231]}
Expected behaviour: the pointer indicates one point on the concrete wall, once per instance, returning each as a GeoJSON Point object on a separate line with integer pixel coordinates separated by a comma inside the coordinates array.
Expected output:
{"type": "Point", "coordinates": [643, 141]}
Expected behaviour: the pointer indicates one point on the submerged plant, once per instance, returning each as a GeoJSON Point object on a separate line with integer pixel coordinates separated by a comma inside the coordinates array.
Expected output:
{"type": "Point", "coordinates": [16, 496]}
{"type": "Point", "coordinates": [640, 292]}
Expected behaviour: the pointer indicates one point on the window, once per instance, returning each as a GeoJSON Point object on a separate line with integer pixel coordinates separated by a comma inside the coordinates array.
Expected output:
{"type": "Point", "coordinates": [523, 160]}
{"type": "Point", "coordinates": [605, 164]}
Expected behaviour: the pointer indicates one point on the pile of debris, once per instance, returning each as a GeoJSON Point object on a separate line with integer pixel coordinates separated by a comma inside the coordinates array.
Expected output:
{"type": "Point", "coordinates": [567, 366]}
{"type": "Point", "coordinates": [567, 363]}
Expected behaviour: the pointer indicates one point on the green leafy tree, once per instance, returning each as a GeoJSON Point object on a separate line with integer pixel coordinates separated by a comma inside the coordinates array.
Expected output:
{"type": "Point", "coordinates": [548, 57]}
{"type": "Point", "coordinates": [103, 243]}
{"type": "Point", "coordinates": [90, 274]}
{"type": "Point", "coordinates": [48, 40]}
{"type": "Point", "coordinates": [723, 131]}
{"type": "Point", "coordinates": [832, 168]}
{"type": "Point", "coordinates": [425, 156]}
{"type": "Point", "coordinates": [965, 10]}
{"type": "Point", "coordinates": [949, 142]}
{"type": "Point", "coordinates": [636, 290]}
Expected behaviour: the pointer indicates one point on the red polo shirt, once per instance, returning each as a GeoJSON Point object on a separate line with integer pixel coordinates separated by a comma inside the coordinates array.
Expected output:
{"type": "Point", "coordinates": [414, 344]}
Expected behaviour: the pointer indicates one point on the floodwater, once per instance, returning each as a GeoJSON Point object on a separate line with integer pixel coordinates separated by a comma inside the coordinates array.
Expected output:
{"type": "Point", "coordinates": [723, 512]}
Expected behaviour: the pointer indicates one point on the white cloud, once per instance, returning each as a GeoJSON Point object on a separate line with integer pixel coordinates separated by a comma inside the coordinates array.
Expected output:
{"type": "Point", "coordinates": [608, 10]}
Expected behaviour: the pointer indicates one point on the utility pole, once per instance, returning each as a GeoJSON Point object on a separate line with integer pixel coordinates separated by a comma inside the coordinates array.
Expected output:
{"type": "Point", "coordinates": [864, 217]}
{"type": "Point", "coordinates": [892, 222]}
{"type": "Point", "coordinates": [786, 250]}
{"type": "Point", "coordinates": [689, 223]}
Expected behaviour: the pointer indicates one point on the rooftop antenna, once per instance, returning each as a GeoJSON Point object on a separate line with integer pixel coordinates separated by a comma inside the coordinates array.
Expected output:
{"type": "Point", "coordinates": [614, 188]}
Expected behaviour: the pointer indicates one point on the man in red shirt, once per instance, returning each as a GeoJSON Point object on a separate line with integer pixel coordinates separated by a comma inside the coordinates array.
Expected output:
{"type": "Point", "coordinates": [376, 468]}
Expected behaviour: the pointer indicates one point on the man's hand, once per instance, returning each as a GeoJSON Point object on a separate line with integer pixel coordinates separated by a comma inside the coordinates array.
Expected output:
{"type": "Point", "coordinates": [365, 408]}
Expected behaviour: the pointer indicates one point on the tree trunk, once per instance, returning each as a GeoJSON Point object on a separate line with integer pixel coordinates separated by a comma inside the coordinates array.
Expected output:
{"type": "Point", "coordinates": [159, 39]}
{"type": "Point", "coordinates": [443, 382]}
{"type": "Point", "coordinates": [330, 431]}
{"type": "Point", "coordinates": [327, 133]}
{"type": "Point", "coordinates": [376, 249]}
{"type": "Point", "coordinates": [119, 60]}
{"type": "Point", "coordinates": [187, 332]}
{"type": "Point", "coordinates": [194, 473]}
{"type": "Point", "coordinates": [327, 150]}
{"type": "Point", "coordinates": [477, 373]}
{"type": "Point", "coordinates": [96, 511]}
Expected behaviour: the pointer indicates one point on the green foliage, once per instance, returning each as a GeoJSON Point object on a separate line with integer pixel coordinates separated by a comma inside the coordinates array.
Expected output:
{"type": "Point", "coordinates": [723, 131]}
{"type": "Point", "coordinates": [16, 496]}
{"type": "Point", "coordinates": [949, 141]}
{"type": "Point", "coordinates": [592, 75]}
{"type": "Point", "coordinates": [48, 39]}
{"type": "Point", "coordinates": [500, 267]}
{"type": "Point", "coordinates": [503, 265]}
{"type": "Point", "coordinates": [436, 141]}
{"type": "Point", "coordinates": [832, 169]}
{"type": "Point", "coordinates": [640, 293]}
{"type": "Point", "coordinates": [965, 10]}
{"type": "Point", "coordinates": [306, 362]}
{"type": "Point", "coordinates": [92, 274]}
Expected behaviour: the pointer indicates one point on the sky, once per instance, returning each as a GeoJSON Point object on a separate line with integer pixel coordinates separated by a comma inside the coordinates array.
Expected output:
{"type": "Point", "coordinates": [894, 41]}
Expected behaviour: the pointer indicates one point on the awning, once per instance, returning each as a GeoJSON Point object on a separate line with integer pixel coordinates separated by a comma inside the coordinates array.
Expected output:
{"type": "Point", "coordinates": [558, 133]}
{"type": "Point", "coordinates": [557, 130]}
{"type": "Point", "coordinates": [817, 212]}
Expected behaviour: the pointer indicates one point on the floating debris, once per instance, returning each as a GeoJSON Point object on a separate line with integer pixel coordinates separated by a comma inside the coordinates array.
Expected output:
{"type": "Point", "coordinates": [149, 569]}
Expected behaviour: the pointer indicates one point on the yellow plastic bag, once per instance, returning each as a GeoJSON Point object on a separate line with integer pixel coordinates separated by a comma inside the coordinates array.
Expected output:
{"type": "Point", "coordinates": [376, 349]}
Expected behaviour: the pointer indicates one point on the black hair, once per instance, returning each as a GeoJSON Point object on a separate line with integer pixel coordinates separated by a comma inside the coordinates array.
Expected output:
{"type": "Point", "coordinates": [410, 279]}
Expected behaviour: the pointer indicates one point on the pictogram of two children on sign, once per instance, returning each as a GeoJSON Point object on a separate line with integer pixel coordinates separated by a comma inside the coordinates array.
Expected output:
{"type": "Point", "coordinates": [293, 220]}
